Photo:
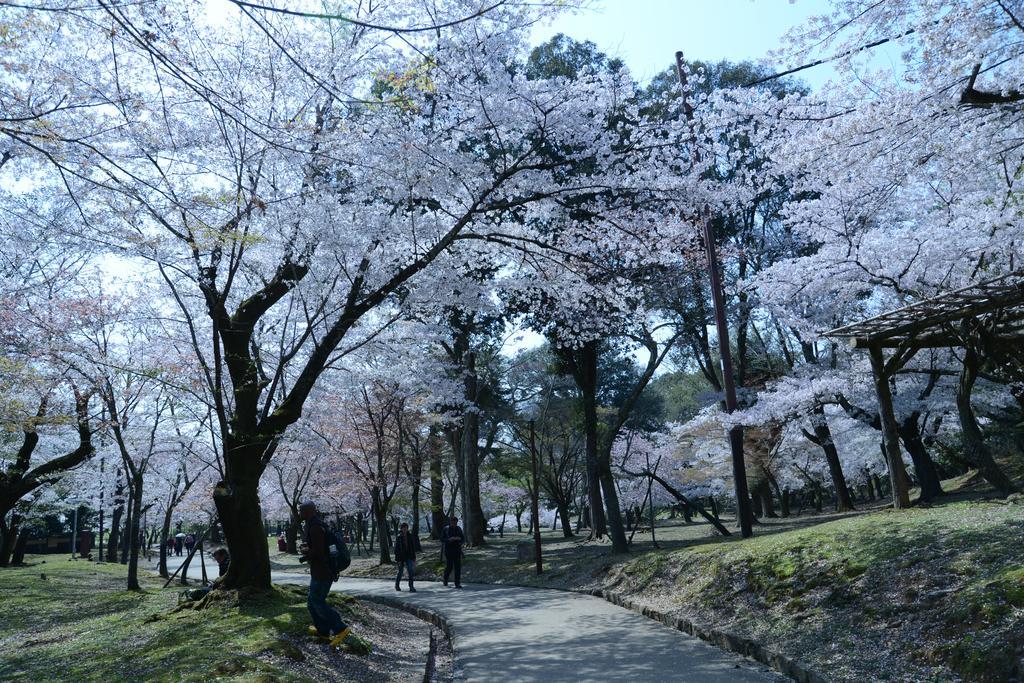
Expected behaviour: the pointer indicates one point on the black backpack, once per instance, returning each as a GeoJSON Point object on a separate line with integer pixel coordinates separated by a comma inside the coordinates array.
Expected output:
{"type": "Point", "coordinates": [338, 556]}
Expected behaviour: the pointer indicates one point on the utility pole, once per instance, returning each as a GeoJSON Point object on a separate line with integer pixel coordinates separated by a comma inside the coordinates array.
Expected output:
{"type": "Point", "coordinates": [744, 513]}
{"type": "Point", "coordinates": [536, 497]}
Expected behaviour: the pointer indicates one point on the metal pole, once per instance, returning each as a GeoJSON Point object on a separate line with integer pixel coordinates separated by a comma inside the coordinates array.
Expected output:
{"type": "Point", "coordinates": [739, 469]}
{"type": "Point", "coordinates": [536, 497]}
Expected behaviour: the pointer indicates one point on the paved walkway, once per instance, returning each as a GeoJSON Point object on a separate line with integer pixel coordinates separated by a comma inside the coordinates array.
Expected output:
{"type": "Point", "coordinates": [509, 633]}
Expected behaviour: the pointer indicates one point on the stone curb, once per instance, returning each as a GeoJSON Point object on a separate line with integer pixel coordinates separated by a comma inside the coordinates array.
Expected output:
{"type": "Point", "coordinates": [722, 639]}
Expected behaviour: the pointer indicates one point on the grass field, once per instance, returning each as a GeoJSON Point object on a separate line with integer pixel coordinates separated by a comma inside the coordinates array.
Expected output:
{"type": "Point", "coordinates": [73, 621]}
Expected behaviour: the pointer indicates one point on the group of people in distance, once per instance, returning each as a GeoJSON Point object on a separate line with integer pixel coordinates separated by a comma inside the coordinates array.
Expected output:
{"type": "Point", "coordinates": [327, 623]}
{"type": "Point", "coordinates": [407, 544]}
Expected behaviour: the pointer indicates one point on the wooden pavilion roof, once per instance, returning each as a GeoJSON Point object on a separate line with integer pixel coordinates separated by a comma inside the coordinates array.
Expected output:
{"type": "Point", "coordinates": [934, 322]}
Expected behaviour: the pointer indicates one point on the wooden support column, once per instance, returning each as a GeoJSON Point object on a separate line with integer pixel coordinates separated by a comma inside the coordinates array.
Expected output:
{"type": "Point", "coordinates": [890, 431]}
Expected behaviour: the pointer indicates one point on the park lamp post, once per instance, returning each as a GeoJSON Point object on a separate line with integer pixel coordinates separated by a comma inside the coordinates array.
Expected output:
{"type": "Point", "coordinates": [744, 513]}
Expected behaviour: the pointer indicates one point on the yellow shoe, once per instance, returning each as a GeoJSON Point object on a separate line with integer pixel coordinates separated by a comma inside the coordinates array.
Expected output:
{"type": "Point", "coordinates": [337, 640]}
{"type": "Point", "coordinates": [313, 631]}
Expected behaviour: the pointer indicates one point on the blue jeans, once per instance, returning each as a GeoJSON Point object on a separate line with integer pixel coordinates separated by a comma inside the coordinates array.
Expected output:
{"type": "Point", "coordinates": [402, 566]}
{"type": "Point", "coordinates": [325, 618]}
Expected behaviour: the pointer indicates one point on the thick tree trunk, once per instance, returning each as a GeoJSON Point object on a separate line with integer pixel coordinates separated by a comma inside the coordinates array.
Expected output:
{"type": "Point", "coordinates": [613, 514]}
{"type": "Point", "coordinates": [924, 467]}
{"type": "Point", "coordinates": [784, 503]}
{"type": "Point", "coordinates": [563, 515]}
{"type": "Point", "coordinates": [767, 504]}
{"type": "Point", "coordinates": [134, 534]}
{"type": "Point", "coordinates": [976, 451]}
{"type": "Point", "coordinates": [756, 504]}
{"type": "Point", "coordinates": [238, 510]}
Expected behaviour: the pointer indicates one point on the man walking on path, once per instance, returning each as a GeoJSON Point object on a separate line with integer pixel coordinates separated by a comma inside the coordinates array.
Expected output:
{"type": "Point", "coordinates": [451, 545]}
{"type": "Point", "coordinates": [327, 622]}
{"type": "Point", "coordinates": [406, 545]}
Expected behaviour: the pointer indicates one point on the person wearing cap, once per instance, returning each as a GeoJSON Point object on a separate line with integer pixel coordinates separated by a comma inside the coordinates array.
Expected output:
{"type": "Point", "coordinates": [406, 545]}
{"type": "Point", "coordinates": [327, 623]}
{"type": "Point", "coordinates": [451, 545]}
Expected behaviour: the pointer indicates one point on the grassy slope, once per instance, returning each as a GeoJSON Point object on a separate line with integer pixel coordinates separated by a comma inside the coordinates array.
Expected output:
{"type": "Point", "coordinates": [930, 593]}
{"type": "Point", "coordinates": [80, 624]}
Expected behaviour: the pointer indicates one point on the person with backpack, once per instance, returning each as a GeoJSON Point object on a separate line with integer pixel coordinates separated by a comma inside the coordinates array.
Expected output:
{"type": "Point", "coordinates": [452, 537]}
{"type": "Point", "coordinates": [323, 571]}
{"type": "Point", "coordinates": [406, 545]}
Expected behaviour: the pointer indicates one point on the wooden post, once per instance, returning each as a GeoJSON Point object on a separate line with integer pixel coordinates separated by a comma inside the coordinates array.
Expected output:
{"type": "Point", "coordinates": [739, 469]}
{"type": "Point", "coordinates": [890, 433]}
{"type": "Point", "coordinates": [536, 497]}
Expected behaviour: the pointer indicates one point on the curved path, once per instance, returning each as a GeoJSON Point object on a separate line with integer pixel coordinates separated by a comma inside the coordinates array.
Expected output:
{"type": "Point", "coordinates": [511, 633]}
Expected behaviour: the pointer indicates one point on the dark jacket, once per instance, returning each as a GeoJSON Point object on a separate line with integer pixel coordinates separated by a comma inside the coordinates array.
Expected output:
{"type": "Point", "coordinates": [317, 554]}
{"type": "Point", "coordinates": [406, 549]}
{"type": "Point", "coordinates": [451, 540]}
{"type": "Point", "coordinates": [222, 565]}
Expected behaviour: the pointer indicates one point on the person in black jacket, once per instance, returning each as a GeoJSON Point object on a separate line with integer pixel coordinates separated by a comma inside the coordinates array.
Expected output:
{"type": "Point", "coordinates": [406, 545]}
{"type": "Point", "coordinates": [223, 560]}
{"type": "Point", "coordinates": [451, 545]}
{"type": "Point", "coordinates": [327, 623]}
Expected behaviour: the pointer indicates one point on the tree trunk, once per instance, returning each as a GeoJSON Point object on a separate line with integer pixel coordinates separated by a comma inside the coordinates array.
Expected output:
{"type": "Point", "coordinates": [126, 532]}
{"type": "Point", "coordinates": [115, 521]}
{"type": "Point", "coordinates": [563, 514]}
{"type": "Point", "coordinates": [238, 510]}
{"type": "Point", "coordinates": [784, 502]}
{"type": "Point", "coordinates": [291, 533]}
{"type": "Point", "coordinates": [436, 495]}
{"type": "Point", "coordinates": [767, 504]}
{"type": "Point", "coordinates": [823, 437]}
{"type": "Point", "coordinates": [19, 549]}
{"type": "Point", "coordinates": [134, 533]}
{"type": "Point", "coordinates": [924, 467]}
{"type": "Point", "coordinates": [473, 511]}
{"type": "Point", "coordinates": [165, 532]}
{"type": "Point", "coordinates": [890, 434]}
{"type": "Point", "coordinates": [611, 498]}
{"type": "Point", "coordinates": [976, 451]}
{"type": "Point", "coordinates": [416, 507]}
{"type": "Point", "coordinates": [381, 517]}
{"type": "Point", "coordinates": [8, 536]}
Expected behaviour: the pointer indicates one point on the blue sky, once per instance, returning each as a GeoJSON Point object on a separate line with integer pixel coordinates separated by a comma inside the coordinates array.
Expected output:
{"type": "Point", "coordinates": [646, 33]}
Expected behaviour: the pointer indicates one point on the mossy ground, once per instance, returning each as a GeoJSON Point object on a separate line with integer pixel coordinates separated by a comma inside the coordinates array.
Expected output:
{"type": "Point", "coordinates": [73, 621]}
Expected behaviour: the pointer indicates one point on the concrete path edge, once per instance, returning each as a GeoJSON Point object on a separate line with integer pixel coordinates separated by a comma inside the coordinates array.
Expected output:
{"type": "Point", "coordinates": [426, 615]}
{"type": "Point", "coordinates": [722, 639]}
